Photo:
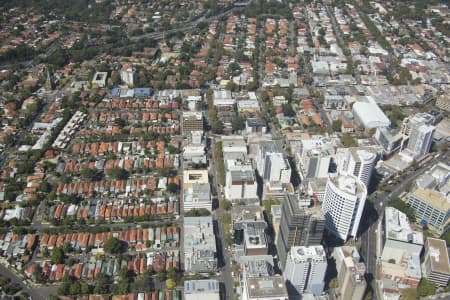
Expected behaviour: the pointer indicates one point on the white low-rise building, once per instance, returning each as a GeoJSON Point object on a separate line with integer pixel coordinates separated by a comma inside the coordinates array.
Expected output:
{"type": "Point", "coordinates": [100, 79]}
{"type": "Point", "coordinates": [369, 114]}
{"type": "Point", "coordinates": [207, 289]}
{"type": "Point", "coordinates": [240, 181]}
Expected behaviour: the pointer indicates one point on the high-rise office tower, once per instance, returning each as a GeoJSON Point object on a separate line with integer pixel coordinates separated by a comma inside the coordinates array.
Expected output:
{"type": "Point", "coordinates": [343, 204]}
{"type": "Point", "coordinates": [359, 162]}
{"type": "Point", "coordinates": [299, 226]}
{"type": "Point", "coordinates": [420, 140]}
{"type": "Point", "coordinates": [305, 270]}
{"type": "Point", "coordinates": [352, 284]}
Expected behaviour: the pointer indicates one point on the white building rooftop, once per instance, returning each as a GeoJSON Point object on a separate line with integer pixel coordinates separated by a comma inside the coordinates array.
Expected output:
{"type": "Point", "coordinates": [398, 227]}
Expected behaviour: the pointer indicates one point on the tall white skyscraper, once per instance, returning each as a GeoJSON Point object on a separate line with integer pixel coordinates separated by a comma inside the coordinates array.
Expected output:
{"type": "Point", "coordinates": [420, 140]}
{"type": "Point", "coordinates": [343, 204]}
{"type": "Point", "coordinates": [418, 130]}
{"type": "Point", "coordinates": [359, 162]}
{"type": "Point", "coordinates": [305, 269]}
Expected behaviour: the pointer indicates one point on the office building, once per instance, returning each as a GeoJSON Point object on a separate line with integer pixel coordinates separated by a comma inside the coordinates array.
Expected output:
{"type": "Point", "coordinates": [258, 281]}
{"type": "Point", "coordinates": [316, 188]}
{"type": "Point", "coordinates": [437, 178]}
{"type": "Point", "coordinates": [223, 100]}
{"type": "Point", "coordinates": [99, 79]}
{"type": "Point", "coordinates": [443, 102]}
{"type": "Point", "coordinates": [234, 147]}
{"type": "Point", "coordinates": [240, 180]}
{"type": "Point", "coordinates": [359, 162]}
{"type": "Point", "coordinates": [196, 191]}
{"type": "Point", "coordinates": [436, 262]}
{"type": "Point", "coordinates": [399, 236]}
{"type": "Point", "coordinates": [305, 270]}
{"type": "Point", "coordinates": [194, 102]}
{"type": "Point", "coordinates": [277, 169]}
{"type": "Point", "coordinates": [194, 155]}
{"type": "Point", "coordinates": [246, 213]}
{"type": "Point", "coordinates": [198, 196]}
{"type": "Point", "coordinates": [254, 239]}
{"type": "Point", "coordinates": [264, 288]}
{"type": "Point", "coordinates": [404, 274]}
{"type": "Point", "coordinates": [420, 140]}
{"type": "Point", "coordinates": [271, 163]}
{"type": "Point", "coordinates": [255, 126]}
{"type": "Point", "coordinates": [418, 131]}
{"type": "Point", "coordinates": [200, 252]}
{"type": "Point", "coordinates": [351, 271]}
{"type": "Point", "coordinates": [257, 266]}
{"type": "Point", "coordinates": [400, 259]}
{"type": "Point", "coordinates": [389, 139]}
{"type": "Point", "coordinates": [249, 229]}
{"type": "Point", "coordinates": [207, 289]}
{"type": "Point", "coordinates": [430, 207]}
{"type": "Point", "coordinates": [416, 120]}
{"type": "Point", "coordinates": [315, 164]}
{"type": "Point", "coordinates": [343, 204]}
{"type": "Point", "coordinates": [192, 121]}
{"type": "Point", "coordinates": [299, 226]}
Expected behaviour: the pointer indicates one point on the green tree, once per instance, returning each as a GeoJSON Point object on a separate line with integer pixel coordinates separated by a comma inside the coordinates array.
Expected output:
{"type": "Point", "coordinates": [426, 288]}
{"type": "Point", "coordinates": [288, 111]}
{"type": "Point", "coordinates": [198, 212]}
{"type": "Point", "coordinates": [348, 141]}
{"type": "Point", "coordinates": [64, 288]}
{"type": "Point", "coordinates": [333, 283]}
{"type": "Point", "coordinates": [59, 58]}
{"type": "Point", "coordinates": [238, 123]}
{"type": "Point", "coordinates": [123, 287]}
{"type": "Point", "coordinates": [125, 274]}
{"type": "Point", "coordinates": [170, 283]}
{"type": "Point", "coordinates": [57, 256]}
{"type": "Point", "coordinates": [66, 247]}
{"type": "Point", "coordinates": [85, 288]}
{"type": "Point", "coordinates": [226, 204]}
{"type": "Point", "coordinates": [101, 284]}
{"type": "Point", "coordinates": [337, 124]}
{"type": "Point", "coordinates": [120, 122]}
{"type": "Point", "coordinates": [161, 275]}
{"type": "Point", "coordinates": [118, 173]}
{"type": "Point", "coordinates": [410, 294]}
{"type": "Point", "coordinates": [75, 288]}
{"type": "Point", "coordinates": [45, 187]}
{"type": "Point", "coordinates": [114, 246]}
{"type": "Point", "coordinates": [172, 187]}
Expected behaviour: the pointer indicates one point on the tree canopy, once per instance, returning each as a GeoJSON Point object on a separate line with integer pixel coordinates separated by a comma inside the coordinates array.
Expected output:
{"type": "Point", "coordinates": [114, 246]}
